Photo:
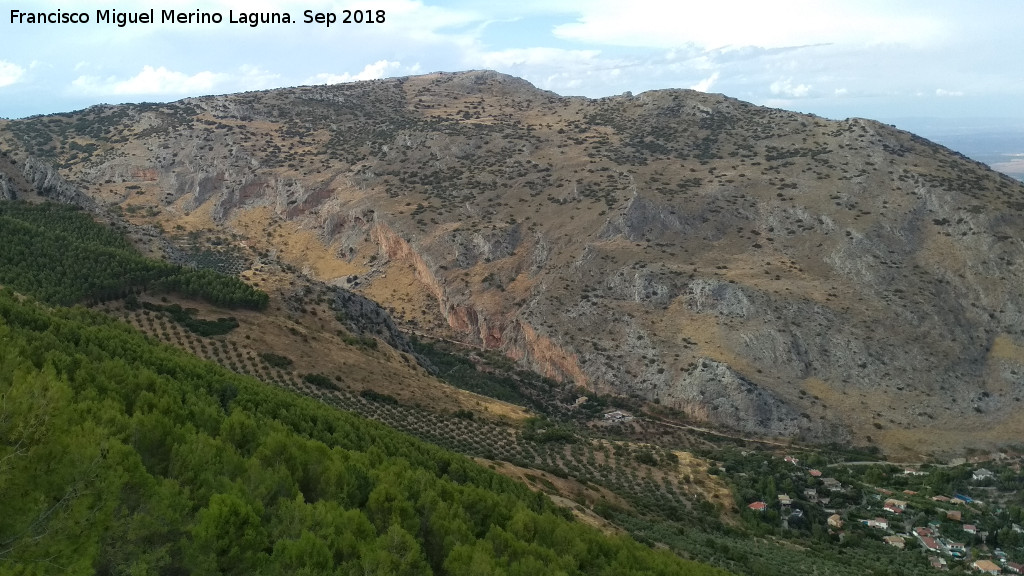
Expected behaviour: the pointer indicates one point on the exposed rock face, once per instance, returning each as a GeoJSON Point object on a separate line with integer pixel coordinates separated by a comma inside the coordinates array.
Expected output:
{"type": "Point", "coordinates": [8, 191]}
{"type": "Point", "coordinates": [717, 297]}
{"type": "Point", "coordinates": [773, 272]}
{"type": "Point", "coordinates": [534, 349]}
{"type": "Point", "coordinates": [394, 247]}
{"type": "Point", "coordinates": [713, 391]}
{"type": "Point", "coordinates": [365, 317]}
{"type": "Point", "coordinates": [46, 181]}
{"type": "Point", "coordinates": [647, 219]}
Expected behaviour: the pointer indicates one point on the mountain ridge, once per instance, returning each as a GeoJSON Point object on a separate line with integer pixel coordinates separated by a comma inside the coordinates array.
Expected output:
{"type": "Point", "coordinates": [762, 270]}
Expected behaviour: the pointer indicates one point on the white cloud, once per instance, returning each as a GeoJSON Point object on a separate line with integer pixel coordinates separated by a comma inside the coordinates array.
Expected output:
{"type": "Point", "coordinates": [654, 23]}
{"type": "Point", "coordinates": [150, 81]}
{"type": "Point", "coordinates": [374, 71]}
{"type": "Point", "coordinates": [786, 88]}
{"type": "Point", "coordinates": [705, 84]}
{"type": "Point", "coordinates": [941, 92]}
{"type": "Point", "coordinates": [253, 78]}
{"type": "Point", "coordinates": [546, 57]}
{"type": "Point", "coordinates": [10, 73]}
{"type": "Point", "coordinates": [163, 82]}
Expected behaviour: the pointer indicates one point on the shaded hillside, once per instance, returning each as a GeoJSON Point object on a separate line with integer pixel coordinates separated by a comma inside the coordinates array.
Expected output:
{"type": "Point", "coordinates": [766, 271]}
{"type": "Point", "coordinates": [61, 256]}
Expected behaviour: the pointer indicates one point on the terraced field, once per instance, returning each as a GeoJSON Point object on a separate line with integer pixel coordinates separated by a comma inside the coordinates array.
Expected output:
{"type": "Point", "coordinates": [648, 478]}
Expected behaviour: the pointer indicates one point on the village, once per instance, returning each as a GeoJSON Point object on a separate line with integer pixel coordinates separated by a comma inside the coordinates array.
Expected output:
{"type": "Point", "coordinates": [961, 515]}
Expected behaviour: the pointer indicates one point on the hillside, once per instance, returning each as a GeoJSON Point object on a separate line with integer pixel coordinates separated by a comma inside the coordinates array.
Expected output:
{"type": "Point", "coordinates": [66, 376]}
{"type": "Point", "coordinates": [121, 456]}
{"type": "Point", "coordinates": [767, 272]}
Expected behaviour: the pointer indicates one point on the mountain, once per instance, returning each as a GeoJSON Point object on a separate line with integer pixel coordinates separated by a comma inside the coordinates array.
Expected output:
{"type": "Point", "coordinates": [997, 142]}
{"type": "Point", "coordinates": [764, 271]}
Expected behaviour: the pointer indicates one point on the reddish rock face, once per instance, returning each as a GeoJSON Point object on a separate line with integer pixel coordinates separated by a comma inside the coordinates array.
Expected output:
{"type": "Point", "coordinates": [144, 174]}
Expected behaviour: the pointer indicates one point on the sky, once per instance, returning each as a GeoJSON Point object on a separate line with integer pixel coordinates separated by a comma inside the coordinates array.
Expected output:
{"type": "Point", "coordinates": [937, 63]}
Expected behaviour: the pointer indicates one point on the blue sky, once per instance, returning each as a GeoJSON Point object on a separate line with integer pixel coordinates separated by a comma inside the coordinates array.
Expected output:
{"type": "Point", "coordinates": [945, 60]}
